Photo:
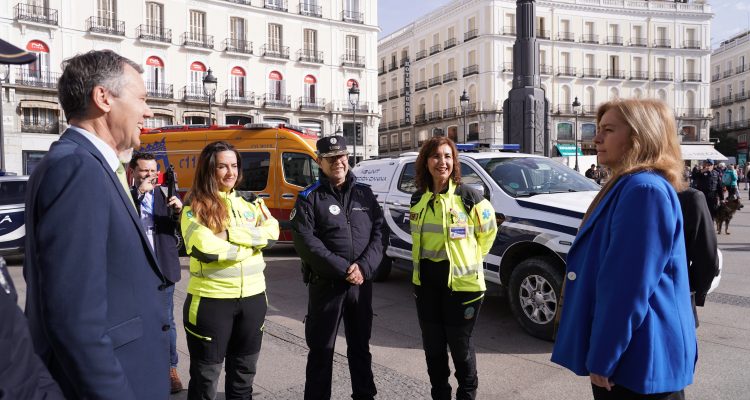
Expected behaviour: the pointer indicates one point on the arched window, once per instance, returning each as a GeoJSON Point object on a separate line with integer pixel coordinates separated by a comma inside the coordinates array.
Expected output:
{"type": "Point", "coordinates": [690, 100]}
{"type": "Point", "coordinates": [565, 100]}
{"type": "Point", "coordinates": [662, 95]}
{"type": "Point", "coordinates": [276, 87]}
{"type": "Point", "coordinates": [197, 72]}
{"type": "Point", "coordinates": [310, 89]}
{"type": "Point", "coordinates": [237, 82]}
{"type": "Point", "coordinates": [436, 103]}
{"type": "Point", "coordinates": [351, 82]}
{"type": "Point", "coordinates": [155, 76]}
{"type": "Point", "coordinates": [614, 93]}
{"type": "Point", "coordinates": [39, 69]}
{"type": "Point", "coordinates": [729, 116]}
{"type": "Point", "coordinates": [590, 101]}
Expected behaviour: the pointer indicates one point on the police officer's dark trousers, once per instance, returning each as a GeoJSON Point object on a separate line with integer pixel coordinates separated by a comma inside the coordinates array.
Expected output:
{"type": "Point", "coordinates": [447, 320]}
{"type": "Point", "coordinates": [223, 328]}
{"type": "Point", "coordinates": [329, 303]}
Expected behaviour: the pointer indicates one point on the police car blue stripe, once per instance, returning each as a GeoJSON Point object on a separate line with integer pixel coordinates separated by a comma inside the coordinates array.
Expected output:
{"type": "Point", "coordinates": [543, 224]}
{"type": "Point", "coordinates": [551, 209]}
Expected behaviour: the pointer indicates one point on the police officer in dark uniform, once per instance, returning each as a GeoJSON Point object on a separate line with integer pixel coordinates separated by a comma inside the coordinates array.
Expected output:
{"type": "Point", "coordinates": [337, 226]}
{"type": "Point", "coordinates": [22, 373]}
{"type": "Point", "coordinates": [708, 181]}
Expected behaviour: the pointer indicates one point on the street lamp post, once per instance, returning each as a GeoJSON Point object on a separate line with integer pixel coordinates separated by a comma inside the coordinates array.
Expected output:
{"type": "Point", "coordinates": [576, 110]}
{"type": "Point", "coordinates": [464, 101]}
{"type": "Point", "coordinates": [354, 101]}
{"type": "Point", "coordinates": [209, 88]}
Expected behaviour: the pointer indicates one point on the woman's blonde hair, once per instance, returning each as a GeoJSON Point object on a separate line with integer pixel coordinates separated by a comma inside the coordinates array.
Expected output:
{"type": "Point", "coordinates": [653, 143]}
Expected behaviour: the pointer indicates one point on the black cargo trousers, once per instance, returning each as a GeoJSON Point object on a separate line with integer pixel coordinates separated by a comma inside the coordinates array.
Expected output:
{"type": "Point", "coordinates": [447, 320]}
{"type": "Point", "coordinates": [329, 303]}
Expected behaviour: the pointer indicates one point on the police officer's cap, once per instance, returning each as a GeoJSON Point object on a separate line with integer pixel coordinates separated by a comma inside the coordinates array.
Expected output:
{"type": "Point", "coordinates": [709, 161]}
{"type": "Point", "coordinates": [331, 146]}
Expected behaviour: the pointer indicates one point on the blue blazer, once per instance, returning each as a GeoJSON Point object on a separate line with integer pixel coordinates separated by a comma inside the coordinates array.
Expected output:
{"type": "Point", "coordinates": [627, 312]}
{"type": "Point", "coordinates": [165, 235]}
{"type": "Point", "coordinates": [96, 299]}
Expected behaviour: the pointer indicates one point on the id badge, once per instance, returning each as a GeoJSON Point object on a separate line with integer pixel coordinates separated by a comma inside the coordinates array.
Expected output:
{"type": "Point", "coordinates": [458, 232]}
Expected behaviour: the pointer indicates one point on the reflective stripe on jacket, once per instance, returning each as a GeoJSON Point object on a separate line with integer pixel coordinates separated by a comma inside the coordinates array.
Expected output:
{"type": "Point", "coordinates": [234, 267]}
{"type": "Point", "coordinates": [473, 232]}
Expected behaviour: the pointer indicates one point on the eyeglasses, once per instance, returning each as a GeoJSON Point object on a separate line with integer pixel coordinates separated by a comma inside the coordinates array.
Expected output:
{"type": "Point", "coordinates": [333, 159]}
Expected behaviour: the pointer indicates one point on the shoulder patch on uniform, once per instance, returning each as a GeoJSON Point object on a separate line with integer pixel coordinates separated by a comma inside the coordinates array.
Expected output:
{"type": "Point", "coordinates": [469, 196]}
{"type": "Point", "coordinates": [306, 192]}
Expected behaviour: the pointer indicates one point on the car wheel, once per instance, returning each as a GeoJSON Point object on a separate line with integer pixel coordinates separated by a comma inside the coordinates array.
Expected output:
{"type": "Point", "coordinates": [384, 269]}
{"type": "Point", "coordinates": [534, 292]}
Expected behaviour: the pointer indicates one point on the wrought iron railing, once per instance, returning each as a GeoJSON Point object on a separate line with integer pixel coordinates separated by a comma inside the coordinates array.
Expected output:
{"type": "Point", "coordinates": [40, 15]}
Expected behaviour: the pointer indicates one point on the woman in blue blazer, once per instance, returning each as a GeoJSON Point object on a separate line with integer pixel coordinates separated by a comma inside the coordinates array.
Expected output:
{"type": "Point", "coordinates": [627, 320]}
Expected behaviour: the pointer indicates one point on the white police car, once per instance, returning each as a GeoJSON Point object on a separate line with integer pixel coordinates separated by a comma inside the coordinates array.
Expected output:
{"type": "Point", "coordinates": [12, 204]}
{"type": "Point", "coordinates": [541, 202]}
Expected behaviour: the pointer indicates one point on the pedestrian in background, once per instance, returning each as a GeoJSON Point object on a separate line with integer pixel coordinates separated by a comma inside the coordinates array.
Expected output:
{"type": "Point", "coordinates": [452, 227]}
{"type": "Point", "coordinates": [708, 181]}
{"type": "Point", "coordinates": [747, 176]}
{"type": "Point", "coordinates": [627, 321]}
{"type": "Point", "coordinates": [729, 180]}
{"type": "Point", "coordinates": [337, 225]}
{"type": "Point", "coordinates": [160, 218]}
{"type": "Point", "coordinates": [226, 306]}
{"type": "Point", "coordinates": [95, 294]}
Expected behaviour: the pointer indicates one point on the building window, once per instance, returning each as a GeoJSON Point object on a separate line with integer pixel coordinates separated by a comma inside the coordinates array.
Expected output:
{"type": "Point", "coordinates": [588, 131]}
{"type": "Point", "coordinates": [564, 131]}
{"type": "Point", "coordinates": [39, 69]}
{"type": "Point", "coordinates": [310, 92]}
{"type": "Point", "coordinates": [154, 75]}
{"type": "Point", "coordinates": [276, 86]}
{"type": "Point", "coordinates": [197, 72]}
{"type": "Point", "coordinates": [310, 42]}
{"type": "Point", "coordinates": [197, 25]}
{"type": "Point", "coordinates": [30, 160]}
{"type": "Point", "coordinates": [238, 120]}
{"type": "Point", "coordinates": [275, 37]}
{"type": "Point", "coordinates": [473, 132]}
{"type": "Point", "coordinates": [106, 11]}
{"type": "Point", "coordinates": [158, 120]}
{"type": "Point", "coordinates": [237, 82]}
{"type": "Point", "coordinates": [237, 30]}
{"type": "Point", "coordinates": [352, 47]}
{"type": "Point", "coordinates": [154, 18]}
{"type": "Point", "coordinates": [311, 127]}
{"type": "Point", "coordinates": [40, 120]}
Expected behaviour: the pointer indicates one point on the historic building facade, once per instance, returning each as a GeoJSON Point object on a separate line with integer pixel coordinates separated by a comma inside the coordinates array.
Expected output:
{"type": "Point", "coordinates": [276, 61]}
{"type": "Point", "coordinates": [594, 50]}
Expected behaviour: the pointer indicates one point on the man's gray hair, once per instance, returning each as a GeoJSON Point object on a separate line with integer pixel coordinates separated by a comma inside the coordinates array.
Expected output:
{"type": "Point", "coordinates": [83, 72]}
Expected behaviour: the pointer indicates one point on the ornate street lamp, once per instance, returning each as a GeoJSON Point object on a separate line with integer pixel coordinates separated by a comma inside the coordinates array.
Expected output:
{"type": "Point", "coordinates": [576, 110]}
{"type": "Point", "coordinates": [209, 88]}
{"type": "Point", "coordinates": [464, 101]}
{"type": "Point", "coordinates": [354, 101]}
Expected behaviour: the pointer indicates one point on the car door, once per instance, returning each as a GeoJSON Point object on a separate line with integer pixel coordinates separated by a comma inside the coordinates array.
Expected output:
{"type": "Point", "coordinates": [396, 211]}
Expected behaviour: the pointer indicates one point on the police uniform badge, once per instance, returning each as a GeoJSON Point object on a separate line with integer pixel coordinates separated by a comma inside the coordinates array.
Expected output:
{"type": "Point", "coordinates": [334, 209]}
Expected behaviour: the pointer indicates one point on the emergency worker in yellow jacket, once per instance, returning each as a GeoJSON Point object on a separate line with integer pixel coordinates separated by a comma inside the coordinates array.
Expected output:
{"type": "Point", "coordinates": [226, 305]}
{"type": "Point", "coordinates": [453, 228]}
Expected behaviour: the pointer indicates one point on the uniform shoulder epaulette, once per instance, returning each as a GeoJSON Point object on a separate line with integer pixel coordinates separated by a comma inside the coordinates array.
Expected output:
{"type": "Point", "coordinates": [247, 195]}
{"type": "Point", "coordinates": [469, 196]}
{"type": "Point", "coordinates": [306, 192]}
{"type": "Point", "coordinates": [415, 197]}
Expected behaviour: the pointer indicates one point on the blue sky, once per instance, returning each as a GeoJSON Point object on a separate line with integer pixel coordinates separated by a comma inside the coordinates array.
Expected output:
{"type": "Point", "coordinates": [730, 16]}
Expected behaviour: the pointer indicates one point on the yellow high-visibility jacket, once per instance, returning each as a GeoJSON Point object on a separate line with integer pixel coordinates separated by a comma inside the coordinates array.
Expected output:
{"type": "Point", "coordinates": [231, 268]}
{"type": "Point", "coordinates": [463, 236]}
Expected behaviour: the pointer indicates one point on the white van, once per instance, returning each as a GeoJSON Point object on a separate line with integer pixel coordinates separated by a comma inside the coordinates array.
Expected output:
{"type": "Point", "coordinates": [541, 202]}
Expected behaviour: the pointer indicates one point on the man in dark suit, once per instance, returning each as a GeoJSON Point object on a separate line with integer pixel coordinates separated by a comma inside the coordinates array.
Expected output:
{"type": "Point", "coordinates": [96, 300]}
{"type": "Point", "coordinates": [700, 242]}
{"type": "Point", "coordinates": [160, 219]}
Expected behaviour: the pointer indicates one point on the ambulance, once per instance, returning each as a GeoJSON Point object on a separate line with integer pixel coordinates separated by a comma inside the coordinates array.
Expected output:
{"type": "Point", "coordinates": [277, 161]}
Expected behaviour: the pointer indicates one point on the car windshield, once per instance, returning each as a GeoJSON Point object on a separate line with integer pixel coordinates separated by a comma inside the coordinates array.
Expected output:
{"type": "Point", "coordinates": [529, 176]}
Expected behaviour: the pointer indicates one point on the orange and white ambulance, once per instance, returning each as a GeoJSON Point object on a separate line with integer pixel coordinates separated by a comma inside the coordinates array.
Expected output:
{"type": "Point", "coordinates": [277, 161]}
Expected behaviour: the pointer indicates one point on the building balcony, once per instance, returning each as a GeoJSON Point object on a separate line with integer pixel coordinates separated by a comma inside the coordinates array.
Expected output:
{"type": "Point", "coordinates": [663, 43]}
{"type": "Point", "coordinates": [404, 122]}
{"type": "Point", "coordinates": [404, 61]}
{"type": "Point", "coordinates": [692, 44]}
{"type": "Point", "coordinates": [691, 77]}
{"type": "Point", "coordinates": [715, 103]}
{"type": "Point", "coordinates": [421, 85]}
{"type": "Point", "coordinates": [565, 109]}
{"type": "Point", "coordinates": [393, 125]}
{"type": "Point", "coordinates": [353, 17]}
{"type": "Point", "coordinates": [310, 10]}
{"type": "Point", "coordinates": [542, 34]}
{"type": "Point", "coordinates": [566, 71]}
{"type": "Point", "coordinates": [159, 90]}
{"type": "Point", "coordinates": [614, 40]}
{"type": "Point", "coordinates": [566, 36]}
{"type": "Point", "coordinates": [393, 94]}
{"type": "Point", "coordinates": [194, 93]}
{"type": "Point", "coordinates": [421, 54]}
{"type": "Point", "coordinates": [239, 97]}
{"type": "Point", "coordinates": [715, 77]}
{"type": "Point", "coordinates": [277, 100]}
{"type": "Point", "coordinates": [278, 5]}
{"type": "Point", "coordinates": [726, 100]}
{"type": "Point", "coordinates": [450, 77]}
{"type": "Point", "coordinates": [508, 67]}
{"type": "Point", "coordinates": [591, 73]}
{"type": "Point", "coordinates": [275, 51]}
{"type": "Point", "coordinates": [382, 128]}
{"type": "Point", "coordinates": [402, 92]}
{"type": "Point", "coordinates": [381, 70]}
{"type": "Point", "coordinates": [449, 43]}
{"type": "Point", "coordinates": [420, 119]}
{"type": "Point", "coordinates": [588, 109]}
{"type": "Point", "coordinates": [449, 113]}
{"type": "Point", "coordinates": [392, 66]}
{"type": "Point", "coordinates": [311, 103]}
{"type": "Point", "coordinates": [435, 116]}
{"type": "Point", "coordinates": [509, 30]}
{"type": "Point", "coordinates": [663, 76]}
{"type": "Point", "coordinates": [310, 56]}
{"type": "Point", "coordinates": [35, 14]}
{"type": "Point", "coordinates": [352, 61]}
{"type": "Point", "coordinates": [692, 112]}
{"type": "Point", "coordinates": [435, 81]}
{"type": "Point", "coordinates": [590, 38]}
{"type": "Point", "coordinates": [471, 70]}
{"type": "Point", "coordinates": [545, 69]}
{"type": "Point", "coordinates": [382, 98]}
{"type": "Point", "coordinates": [637, 75]}
{"type": "Point", "coordinates": [346, 107]}
{"type": "Point", "coordinates": [47, 80]}
{"type": "Point", "coordinates": [727, 74]}
{"type": "Point", "coordinates": [638, 42]}
{"type": "Point", "coordinates": [741, 96]}
{"type": "Point", "coordinates": [52, 128]}
{"type": "Point", "coordinates": [742, 68]}
{"type": "Point", "coordinates": [237, 46]}
{"type": "Point", "coordinates": [435, 49]}
{"type": "Point", "coordinates": [191, 39]}
{"type": "Point", "coordinates": [615, 74]}
{"type": "Point", "coordinates": [243, 2]}
{"type": "Point", "coordinates": [471, 34]}
{"type": "Point", "coordinates": [471, 108]}
{"type": "Point", "coordinates": [153, 33]}
{"type": "Point", "coordinates": [105, 26]}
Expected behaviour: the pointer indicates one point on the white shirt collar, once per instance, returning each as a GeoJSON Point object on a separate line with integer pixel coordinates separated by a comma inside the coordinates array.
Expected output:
{"type": "Point", "coordinates": [109, 154]}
